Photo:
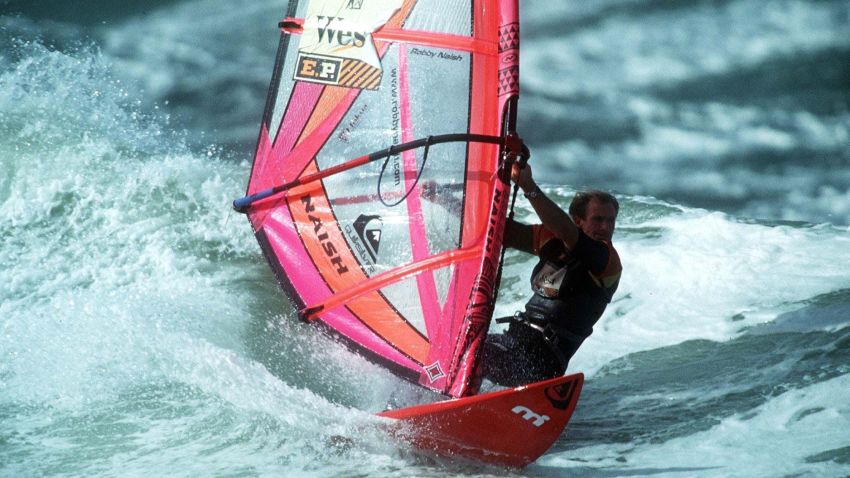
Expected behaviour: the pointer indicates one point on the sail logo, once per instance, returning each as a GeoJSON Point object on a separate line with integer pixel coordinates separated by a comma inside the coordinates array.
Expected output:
{"type": "Point", "coordinates": [318, 68]}
{"type": "Point", "coordinates": [369, 229]}
{"type": "Point", "coordinates": [560, 396]}
{"type": "Point", "coordinates": [529, 415]}
{"type": "Point", "coordinates": [322, 236]}
{"type": "Point", "coordinates": [330, 32]}
{"type": "Point", "coordinates": [434, 372]}
{"type": "Point", "coordinates": [339, 50]}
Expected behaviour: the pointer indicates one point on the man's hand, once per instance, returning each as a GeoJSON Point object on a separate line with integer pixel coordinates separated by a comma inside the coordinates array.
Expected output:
{"type": "Point", "coordinates": [523, 177]}
{"type": "Point", "coordinates": [551, 215]}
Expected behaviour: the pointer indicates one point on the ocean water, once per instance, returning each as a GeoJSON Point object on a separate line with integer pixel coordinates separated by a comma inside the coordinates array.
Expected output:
{"type": "Point", "coordinates": [142, 334]}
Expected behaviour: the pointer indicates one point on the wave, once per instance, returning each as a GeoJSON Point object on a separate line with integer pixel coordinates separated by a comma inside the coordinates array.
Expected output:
{"type": "Point", "coordinates": [142, 330]}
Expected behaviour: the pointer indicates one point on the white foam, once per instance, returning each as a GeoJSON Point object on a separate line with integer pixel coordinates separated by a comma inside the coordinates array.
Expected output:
{"type": "Point", "coordinates": [785, 436]}
{"type": "Point", "coordinates": [109, 226]}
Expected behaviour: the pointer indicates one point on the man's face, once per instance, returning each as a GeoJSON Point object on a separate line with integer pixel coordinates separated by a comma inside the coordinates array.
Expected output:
{"type": "Point", "coordinates": [599, 222]}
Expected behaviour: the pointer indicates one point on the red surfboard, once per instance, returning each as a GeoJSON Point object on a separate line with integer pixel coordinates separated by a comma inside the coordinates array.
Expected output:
{"type": "Point", "coordinates": [510, 427]}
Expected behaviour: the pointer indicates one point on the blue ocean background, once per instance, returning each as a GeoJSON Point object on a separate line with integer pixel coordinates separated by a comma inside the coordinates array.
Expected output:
{"type": "Point", "coordinates": [142, 333]}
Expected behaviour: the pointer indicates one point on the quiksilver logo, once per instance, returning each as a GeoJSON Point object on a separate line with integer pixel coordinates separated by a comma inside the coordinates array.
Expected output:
{"type": "Point", "coordinates": [369, 229]}
{"type": "Point", "coordinates": [561, 395]}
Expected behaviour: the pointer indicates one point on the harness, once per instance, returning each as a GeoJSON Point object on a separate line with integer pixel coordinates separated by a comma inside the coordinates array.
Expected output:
{"type": "Point", "coordinates": [535, 324]}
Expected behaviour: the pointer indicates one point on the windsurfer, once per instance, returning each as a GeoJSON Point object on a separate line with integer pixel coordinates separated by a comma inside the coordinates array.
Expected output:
{"type": "Point", "coordinates": [573, 282]}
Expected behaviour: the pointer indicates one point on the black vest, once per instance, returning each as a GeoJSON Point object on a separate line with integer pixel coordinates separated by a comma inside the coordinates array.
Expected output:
{"type": "Point", "coordinates": [566, 296]}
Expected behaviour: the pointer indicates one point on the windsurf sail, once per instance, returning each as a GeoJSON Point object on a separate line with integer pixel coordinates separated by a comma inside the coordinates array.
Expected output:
{"type": "Point", "coordinates": [380, 181]}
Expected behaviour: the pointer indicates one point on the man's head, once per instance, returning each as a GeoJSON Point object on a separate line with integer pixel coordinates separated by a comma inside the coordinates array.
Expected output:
{"type": "Point", "coordinates": [595, 213]}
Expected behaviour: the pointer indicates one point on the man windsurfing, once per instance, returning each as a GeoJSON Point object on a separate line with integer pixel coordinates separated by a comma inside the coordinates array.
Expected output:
{"type": "Point", "coordinates": [573, 282]}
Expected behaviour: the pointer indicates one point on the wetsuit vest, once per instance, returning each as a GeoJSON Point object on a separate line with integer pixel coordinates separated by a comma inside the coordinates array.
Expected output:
{"type": "Point", "coordinates": [572, 287]}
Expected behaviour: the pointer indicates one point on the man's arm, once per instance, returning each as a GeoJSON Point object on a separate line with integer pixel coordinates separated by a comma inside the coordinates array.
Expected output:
{"type": "Point", "coordinates": [551, 215]}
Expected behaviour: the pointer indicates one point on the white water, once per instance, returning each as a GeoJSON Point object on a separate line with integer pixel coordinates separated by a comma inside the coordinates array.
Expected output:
{"type": "Point", "coordinates": [141, 332]}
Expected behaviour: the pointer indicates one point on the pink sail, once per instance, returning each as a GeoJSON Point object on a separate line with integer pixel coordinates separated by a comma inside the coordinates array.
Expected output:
{"type": "Point", "coordinates": [397, 253]}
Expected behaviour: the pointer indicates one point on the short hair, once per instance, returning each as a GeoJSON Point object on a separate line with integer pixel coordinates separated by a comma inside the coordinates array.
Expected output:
{"type": "Point", "coordinates": [578, 206]}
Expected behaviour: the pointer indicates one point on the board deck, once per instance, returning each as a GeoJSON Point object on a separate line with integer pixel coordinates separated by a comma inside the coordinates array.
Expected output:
{"type": "Point", "coordinates": [510, 427]}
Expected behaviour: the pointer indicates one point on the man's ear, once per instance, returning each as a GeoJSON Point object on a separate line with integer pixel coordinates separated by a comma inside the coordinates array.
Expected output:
{"type": "Point", "coordinates": [577, 220]}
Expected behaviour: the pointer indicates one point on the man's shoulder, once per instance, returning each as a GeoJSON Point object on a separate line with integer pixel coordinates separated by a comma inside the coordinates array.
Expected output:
{"type": "Point", "coordinates": [614, 256]}
{"type": "Point", "coordinates": [610, 276]}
